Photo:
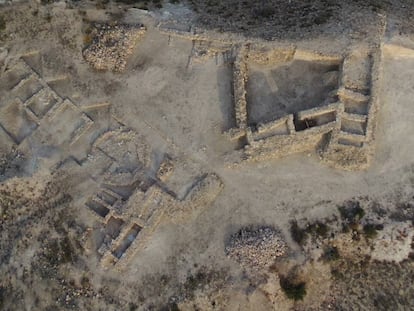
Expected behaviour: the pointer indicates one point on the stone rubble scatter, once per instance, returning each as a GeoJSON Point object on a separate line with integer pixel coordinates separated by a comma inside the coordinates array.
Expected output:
{"type": "Point", "coordinates": [112, 45]}
{"type": "Point", "coordinates": [256, 248]}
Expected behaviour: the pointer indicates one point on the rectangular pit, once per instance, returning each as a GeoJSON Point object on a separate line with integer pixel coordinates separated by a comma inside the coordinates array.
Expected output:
{"type": "Point", "coordinates": [60, 126]}
{"type": "Point", "coordinates": [279, 90]}
{"type": "Point", "coordinates": [353, 127]}
{"type": "Point", "coordinates": [350, 142]}
{"type": "Point", "coordinates": [100, 209]}
{"type": "Point", "coordinates": [113, 227]}
{"type": "Point", "coordinates": [42, 102]}
{"type": "Point", "coordinates": [357, 71]}
{"type": "Point", "coordinates": [123, 191]}
{"type": "Point", "coordinates": [28, 87]}
{"type": "Point", "coordinates": [126, 242]}
{"type": "Point", "coordinates": [314, 121]}
{"type": "Point", "coordinates": [12, 77]}
{"type": "Point", "coordinates": [84, 123]}
{"type": "Point", "coordinates": [108, 197]}
{"type": "Point", "coordinates": [17, 121]}
{"type": "Point", "coordinates": [265, 131]}
{"type": "Point", "coordinates": [356, 107]}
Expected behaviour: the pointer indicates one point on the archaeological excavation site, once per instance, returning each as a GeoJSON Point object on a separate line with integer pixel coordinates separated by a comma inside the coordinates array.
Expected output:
{"type": "Point", "coordinates": [206, 155]}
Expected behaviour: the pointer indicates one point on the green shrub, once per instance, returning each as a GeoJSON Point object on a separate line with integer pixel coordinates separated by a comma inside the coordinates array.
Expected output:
{"type": "Point", "coordinates": [293, 290]}
{"type": "Point", "coordinates": [318, 229]}
{"type": "Point", "coordinates": [351, 211]}
{"type": "Point", "coordinates": [265, 12]}
{"type": "Point", "coordinates": [330, 253]}
{"type": "Point", "coordinates": [2, 23]}
{"type": "Point", "coordinates": [371, 230]}
{"type": "Point", "coordinates": [299, 235]}
{"type": "Point", "coordinates": [337, 274]}
{"type": "Point", "coordinates": [2, 296]}
{"type": "Point", "coordinates": [48, 17]}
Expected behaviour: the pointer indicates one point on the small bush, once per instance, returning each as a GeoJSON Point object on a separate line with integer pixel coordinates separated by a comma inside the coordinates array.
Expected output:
{"type": "Point", "coordinates": [87, 39]}
{"type": "Point", "coordinates": [129, 1]}
{"type": "Point", "coordinates": [351, 211]}
{"type": "Point", "coordinates": [293, 290]}
{"type": "Point", "coordinates": [319, 229]}
{"type": "Point", "coordinates": [265, 12]}
{"type": "Point", "coordinates": [170, 307]}
{"type": "Point", "coordinates": [371, 230]}
{"type": "Point", "coordinates": [100, 6]}
{"type": "Point", "coordinates": [323, 18]}
{"type": "Point", "coordinates": [212, 3]}
{"type": "Point", "coordinates": [2, 23]}
{"type": "Point", "coordinates": [85, 282]}
{"type": "Point", "coordinates": [337, 274]}
{"type": "Point", "coordinates": [2, 296]}
{"type": "Point", "coordinates": [330, 253]}
{"type": "Point", "coordinates": [299, 235]}
{"type": "Point", "coordinates": [144, 4]}
{"type": "Point", "coordinates": [48, 17]}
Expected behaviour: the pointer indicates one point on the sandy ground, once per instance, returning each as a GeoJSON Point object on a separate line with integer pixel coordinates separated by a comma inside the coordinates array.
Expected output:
{"type": "Point", "coordinates": [173, 103]}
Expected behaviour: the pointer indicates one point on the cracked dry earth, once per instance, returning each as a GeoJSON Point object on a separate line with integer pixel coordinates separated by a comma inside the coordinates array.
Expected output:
{"type": "Point", "coordinates": [182, 159]}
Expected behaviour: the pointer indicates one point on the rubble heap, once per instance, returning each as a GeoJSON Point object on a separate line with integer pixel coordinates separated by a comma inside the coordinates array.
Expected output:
{"type": "Point", "coordinates": [256, 248]}
{"type": "Point", "coordinates": [112, 45]}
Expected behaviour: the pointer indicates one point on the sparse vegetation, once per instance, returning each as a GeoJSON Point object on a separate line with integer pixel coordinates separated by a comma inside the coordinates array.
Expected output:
{"type": "Point", "coordinates": [60, 251]}
{"type": "Point", "coordinates": [382, 285]}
